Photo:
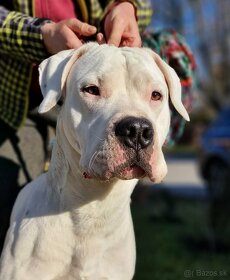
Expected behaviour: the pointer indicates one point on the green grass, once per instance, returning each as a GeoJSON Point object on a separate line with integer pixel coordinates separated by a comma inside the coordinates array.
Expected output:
{"type": "Point", "coordinates": [167, 249]}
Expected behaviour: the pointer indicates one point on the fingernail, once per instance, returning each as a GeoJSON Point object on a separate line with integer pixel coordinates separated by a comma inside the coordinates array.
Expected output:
{"type": "Point", "coordinates": [110, 43]}
{"type": "Point", "coordinates": [92, 29]}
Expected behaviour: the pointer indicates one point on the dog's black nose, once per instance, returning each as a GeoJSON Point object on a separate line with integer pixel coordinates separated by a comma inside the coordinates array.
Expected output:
{"type": "Point", "coordinates": [136, 133]}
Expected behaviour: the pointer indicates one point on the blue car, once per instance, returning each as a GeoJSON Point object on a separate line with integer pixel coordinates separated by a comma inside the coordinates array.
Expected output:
{"type": "Point", "coordinates": [215, 155]}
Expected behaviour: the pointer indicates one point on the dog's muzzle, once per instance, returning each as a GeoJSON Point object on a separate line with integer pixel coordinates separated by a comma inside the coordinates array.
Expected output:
{"type": "Point", "coordinates": [128, 155]}
{"type": "Point", "coordinates": [135, 133]}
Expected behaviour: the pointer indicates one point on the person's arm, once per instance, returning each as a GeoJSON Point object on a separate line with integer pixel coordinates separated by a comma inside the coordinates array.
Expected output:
{"type": "Point", "coordinates": [20, 36]}
{"type": "Point", "coordinates": [34, 39]}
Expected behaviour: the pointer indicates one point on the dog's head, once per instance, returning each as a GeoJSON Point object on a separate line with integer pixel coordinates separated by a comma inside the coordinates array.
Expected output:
{"type": "Point", "coordinates": [116, 108]}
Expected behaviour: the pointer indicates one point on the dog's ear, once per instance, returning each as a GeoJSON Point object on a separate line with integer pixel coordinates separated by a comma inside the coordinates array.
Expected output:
{"type": "Point", "coordinates": [53, 73]}
{"type": "Point", "coordinates": [50, 73]}
{"type": "Point", "coordinates": [174, 85]}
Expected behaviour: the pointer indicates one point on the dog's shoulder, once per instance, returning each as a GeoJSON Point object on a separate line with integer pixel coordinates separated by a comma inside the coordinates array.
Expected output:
{"type": "Point", "coordinates": [34, 215]}
{"type": "Point", "coordinates": [29, 198]}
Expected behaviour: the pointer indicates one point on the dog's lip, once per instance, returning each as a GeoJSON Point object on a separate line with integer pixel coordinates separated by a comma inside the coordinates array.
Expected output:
{"type": "Point", "coordinates": [131, 172]}
{"type": "Point", "coordinates": [126, 172]}
{"type": "Point", "coordinates": [134, 167]}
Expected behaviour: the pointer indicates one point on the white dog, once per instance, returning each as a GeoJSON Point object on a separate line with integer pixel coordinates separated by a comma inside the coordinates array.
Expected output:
{"type": "Point", "coordinates": [74, 222]}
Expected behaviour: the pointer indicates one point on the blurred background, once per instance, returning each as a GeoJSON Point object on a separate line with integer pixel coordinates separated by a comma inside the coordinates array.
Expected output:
{"type": "Point", "coordinates": [182, 225]}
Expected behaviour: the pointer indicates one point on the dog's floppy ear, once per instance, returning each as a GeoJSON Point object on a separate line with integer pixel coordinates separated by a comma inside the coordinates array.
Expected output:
{"type": "Point", "coordinates": [173, 83]}
{"type": "Point", "coordinates": [53, 73]}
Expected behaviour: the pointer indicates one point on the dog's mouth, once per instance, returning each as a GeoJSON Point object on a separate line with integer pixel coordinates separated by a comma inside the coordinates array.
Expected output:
{"type": "Point", "coordinates": [131, 172]}
{"type": "Point", "coordinates": [122, 172]}
{"type": "Point", "coordinates": [130, 169]}
{"type": "Point", "coordinates": [134, 167]}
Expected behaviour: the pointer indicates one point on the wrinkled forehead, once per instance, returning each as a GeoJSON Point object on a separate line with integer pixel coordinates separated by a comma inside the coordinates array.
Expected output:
{"type": "Point", "coordinates": [131, 62]}
{"type": "Point", "coordinates": [141, 66]}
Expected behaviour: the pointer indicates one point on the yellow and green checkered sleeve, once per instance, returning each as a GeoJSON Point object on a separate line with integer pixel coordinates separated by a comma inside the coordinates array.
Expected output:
{"type": "Point", "coordinates": [144, 13]}
{"type": "Point", "coordinates": [20, 36]}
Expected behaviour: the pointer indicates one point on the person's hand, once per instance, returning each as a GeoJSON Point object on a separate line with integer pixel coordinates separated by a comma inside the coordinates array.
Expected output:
{"type": "Point", "coordinates": [120, 26]}
{"type": "Point", "coordinates": [66, 34]}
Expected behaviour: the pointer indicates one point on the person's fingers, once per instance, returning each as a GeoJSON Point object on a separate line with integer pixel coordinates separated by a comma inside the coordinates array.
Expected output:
{"type": "Point", "coordinates": [70, 38]}
{"type": "Point", "coordinates": [100, 39]}
{"type": "Point", "coordinates": [81, 28]}
{"type": "Point", "coordinates": [115, 36]}
{"type": "Point", "coordinates": [73, 43]}
{"type": "Point", "coordinates": [131, 39]}
{"type": "Point", "coordinates": [136, 38]}
{"type": "Point", "coordinates": [58, 37]}
{"type": "Point", "coordinates": [137, 42]}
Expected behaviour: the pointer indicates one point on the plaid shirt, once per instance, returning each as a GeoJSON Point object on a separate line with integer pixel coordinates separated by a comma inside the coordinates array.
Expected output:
{"type": "Point", "coordinates": [21, 46]}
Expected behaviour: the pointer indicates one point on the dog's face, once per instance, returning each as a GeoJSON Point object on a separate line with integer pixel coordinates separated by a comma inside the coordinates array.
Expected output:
{"type": "Point", "coordinates": [116, 108]}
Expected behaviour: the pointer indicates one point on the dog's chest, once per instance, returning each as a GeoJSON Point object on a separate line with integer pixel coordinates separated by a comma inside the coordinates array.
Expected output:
{"type": "Point", "coordinates": [86, 250]}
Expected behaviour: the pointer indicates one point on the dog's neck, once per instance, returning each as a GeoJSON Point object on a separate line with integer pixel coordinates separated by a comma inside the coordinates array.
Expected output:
{"type": "Point", "coordinates": [76, 191]}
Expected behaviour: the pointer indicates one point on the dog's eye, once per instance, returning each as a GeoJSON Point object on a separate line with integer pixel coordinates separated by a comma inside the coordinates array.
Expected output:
{"type": "Point", "coordinates": [156, 96]}
{"type": "Point", "coordinates": [93, 90]}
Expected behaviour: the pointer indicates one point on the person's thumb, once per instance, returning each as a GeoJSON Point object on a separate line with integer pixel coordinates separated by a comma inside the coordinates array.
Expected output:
{"type": "Point", "coordinates": [81, 28]}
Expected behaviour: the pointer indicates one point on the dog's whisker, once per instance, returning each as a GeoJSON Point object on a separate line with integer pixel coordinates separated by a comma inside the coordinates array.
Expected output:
{"type": "Point", "coordinates": [92, 160]}
{"type": "Point", "coordinates": [92, 157]}
{"type": "Point", "coordinates": [99, 138]}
